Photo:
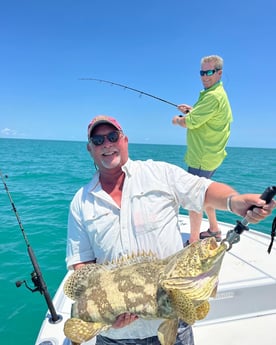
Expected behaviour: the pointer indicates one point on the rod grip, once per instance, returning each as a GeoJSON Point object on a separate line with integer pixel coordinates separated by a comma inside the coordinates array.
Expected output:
{"type": "Point", "coordinates": [267, 195]}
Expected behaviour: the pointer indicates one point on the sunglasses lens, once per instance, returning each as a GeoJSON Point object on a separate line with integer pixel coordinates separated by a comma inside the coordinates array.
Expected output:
{"type": "Point", "coordinates": [209, 72]}
{"type": "Point", "coordinates": [97, 139]}
{"type": "Point", "coordinates": [113, 137]}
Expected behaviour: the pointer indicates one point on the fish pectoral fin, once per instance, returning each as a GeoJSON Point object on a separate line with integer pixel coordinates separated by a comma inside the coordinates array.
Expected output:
{"type": "Point", "coordinates": [167, 332]}
{"type": "Point", "coordinates": [202, 310]}
{"type": "Point", "coordinates": [80, 331]}
{"type": "Point", "coordinates": [183, 306]}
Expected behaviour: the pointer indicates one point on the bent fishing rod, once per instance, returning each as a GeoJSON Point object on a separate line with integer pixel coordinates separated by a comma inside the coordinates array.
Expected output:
{"type": "Point", "coordinates": [36, 275]}
{"type": "Point", "coordinates": [130, 88]}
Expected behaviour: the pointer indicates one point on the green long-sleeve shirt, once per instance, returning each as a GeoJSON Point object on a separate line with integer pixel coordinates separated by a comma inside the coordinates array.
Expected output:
{"type": "Point", "coordinates": [208, 129]}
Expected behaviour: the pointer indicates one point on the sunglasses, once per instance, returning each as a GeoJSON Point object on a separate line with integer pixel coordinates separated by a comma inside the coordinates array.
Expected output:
{"type": "Point", "coordinates": [98, 139]}
{"type": "Point", "coordinates": [209, 72]}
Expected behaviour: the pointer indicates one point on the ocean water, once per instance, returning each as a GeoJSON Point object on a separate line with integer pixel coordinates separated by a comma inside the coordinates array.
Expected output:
{"type": "Point", "coordinates": [42, 178]}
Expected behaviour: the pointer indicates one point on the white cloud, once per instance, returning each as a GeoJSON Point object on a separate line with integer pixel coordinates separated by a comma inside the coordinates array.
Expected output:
{"type": "Point", "coordinates": [8, 132]}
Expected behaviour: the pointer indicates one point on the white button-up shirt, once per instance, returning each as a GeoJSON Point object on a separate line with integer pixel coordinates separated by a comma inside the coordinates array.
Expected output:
{"type": "Point", "coordinates": [146, 221]}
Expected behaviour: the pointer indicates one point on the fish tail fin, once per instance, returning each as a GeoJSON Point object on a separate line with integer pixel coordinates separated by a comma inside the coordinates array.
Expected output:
{"type": "Point", "coordinates": [167, 332]}
{"type": "Point", "coordinates": [80, 331]}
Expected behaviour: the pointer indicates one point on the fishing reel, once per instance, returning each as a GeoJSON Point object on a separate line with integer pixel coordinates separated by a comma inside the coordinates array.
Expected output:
{"type": "Point", "coordinates": [36, 281]}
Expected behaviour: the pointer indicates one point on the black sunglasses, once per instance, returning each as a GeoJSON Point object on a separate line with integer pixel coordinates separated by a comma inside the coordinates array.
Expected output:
{"type": "Point", "coordinates": [98, 139]}
{"type": "Point", "coordinates": [209, 72]}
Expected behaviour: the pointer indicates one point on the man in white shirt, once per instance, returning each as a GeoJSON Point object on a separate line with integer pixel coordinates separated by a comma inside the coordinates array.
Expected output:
{"type": "Point", "coordinates": [132, 206]}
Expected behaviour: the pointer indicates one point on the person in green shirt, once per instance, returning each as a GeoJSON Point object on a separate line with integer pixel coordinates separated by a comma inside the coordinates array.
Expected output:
{"type": "Point", "coordinates": [208, 130]}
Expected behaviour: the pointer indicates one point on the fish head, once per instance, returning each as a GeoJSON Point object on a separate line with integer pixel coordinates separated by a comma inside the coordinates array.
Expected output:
{"type": "Point", "coordinates": [195, 269]}
{"type": "Point", "coordinates": [197, 258]}
{"type": "Point", "coordinates": [191, 277]}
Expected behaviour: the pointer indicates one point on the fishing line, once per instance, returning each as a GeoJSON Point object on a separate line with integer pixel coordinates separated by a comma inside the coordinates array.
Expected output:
{"type": "Point", "coordinates": [130, 88]}
{"type": "Point", "coordinates": [272, 234]}
{"type": "Point", "coordinates": [36, 275]}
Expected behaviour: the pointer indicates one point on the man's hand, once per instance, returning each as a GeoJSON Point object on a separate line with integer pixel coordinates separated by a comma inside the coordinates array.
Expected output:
{"type": "Point", "coordinates": [240, 204]}
{"type": "Point", "coordinates": [179, 120]}
{"type": "Point", "coordinates": [124, 320]}
{"type": "Point", "coordinates": [184, 108]}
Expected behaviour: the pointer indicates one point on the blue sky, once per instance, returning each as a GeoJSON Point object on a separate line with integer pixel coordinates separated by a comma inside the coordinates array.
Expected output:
{"type": "Point", "coordinates": [154, 46]}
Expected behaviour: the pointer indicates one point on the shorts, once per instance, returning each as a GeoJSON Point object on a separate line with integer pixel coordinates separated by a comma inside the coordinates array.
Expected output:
{"type": "Point", "coordinates": [184, 337]}
{"type": "Point", "coordinates": [201, 173]}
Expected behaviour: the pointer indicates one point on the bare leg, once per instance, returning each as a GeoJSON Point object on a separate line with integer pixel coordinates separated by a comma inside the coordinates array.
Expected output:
{"type": "Point", "coordinates": [211, 214]}
{"type": "Point", "coordinates": [195, 222]}
{"type": "Point", "coordinates": [196, 218]}
{"type": "Point", "coordinates": [213, 225]}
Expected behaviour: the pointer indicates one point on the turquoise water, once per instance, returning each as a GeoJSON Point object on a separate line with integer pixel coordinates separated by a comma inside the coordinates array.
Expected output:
{"type": "Point", "coordinates": [43, 177]}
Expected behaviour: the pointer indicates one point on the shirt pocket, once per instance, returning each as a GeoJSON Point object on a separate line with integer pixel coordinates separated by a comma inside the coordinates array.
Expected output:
{"type": "Point", "coordinates": [103, 230]}
{"type": "Point", "coordinates": [151, 210]}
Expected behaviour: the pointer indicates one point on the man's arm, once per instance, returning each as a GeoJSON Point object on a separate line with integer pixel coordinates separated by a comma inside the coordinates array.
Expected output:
{"type": "Point", "coordinates": [217, 194]}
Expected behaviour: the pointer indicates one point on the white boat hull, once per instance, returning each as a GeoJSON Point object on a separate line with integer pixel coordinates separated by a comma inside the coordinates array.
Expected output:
{"type": "Point", "coordinates": [244, 310]}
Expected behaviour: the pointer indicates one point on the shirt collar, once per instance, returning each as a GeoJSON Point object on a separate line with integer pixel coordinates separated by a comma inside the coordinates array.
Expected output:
{"type": "Point", "coordinates": [213, 86]}
{"type": "Point", "coordinates": [127, 168]}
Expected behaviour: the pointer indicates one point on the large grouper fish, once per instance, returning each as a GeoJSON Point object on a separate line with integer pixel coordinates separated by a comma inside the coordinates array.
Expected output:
{"type": "Point", "coordinates": [174, 288]}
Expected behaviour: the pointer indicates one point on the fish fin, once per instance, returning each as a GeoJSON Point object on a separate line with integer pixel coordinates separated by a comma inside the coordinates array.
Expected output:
{"type": "Point", "coordinates": [77, 281]}
{"type": "Point", "coordinates": [202, 310]}
{"type": "Point", "coordinates": [134, 258]}
{"type": "Point", "coordinates": [183, 306]}
{"type": "Point", "coordinates": [80, 331]}
{"type": "Point", "coordinates": [167, 332]}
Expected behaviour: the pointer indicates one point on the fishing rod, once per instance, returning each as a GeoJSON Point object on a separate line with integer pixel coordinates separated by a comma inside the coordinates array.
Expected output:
{"type": "Point", "coordinates": [130, 88]}
{"type": "Point", "coordinates": [36, 275]}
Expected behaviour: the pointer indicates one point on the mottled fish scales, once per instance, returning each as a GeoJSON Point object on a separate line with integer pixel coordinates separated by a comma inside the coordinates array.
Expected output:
{"type": "Point", "coordinates": [177, 287]}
